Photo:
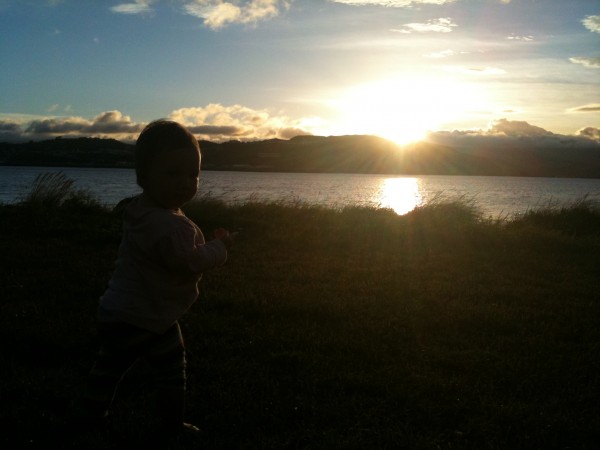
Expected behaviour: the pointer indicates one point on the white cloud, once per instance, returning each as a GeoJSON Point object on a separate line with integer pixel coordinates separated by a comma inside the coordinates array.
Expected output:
{"type": "Point", "coordinates": [393, 3]}
{"type": "Point", "coordinates": [590, 133]}
{"type": "Point", "coordinates": [592, 23]}
{"type": "Point", "coordinates": [218, 123]}
{"type": "Point", "coordinates": [217, 13]}
{"type": "Point", "coordinates": [213, 122]}
{"type": "Point", "coordinates": [441, 25]}
{"type": "Point", "coordinates": [263, 9]}
{"type": "Point", "coordinates": [476, 70]}
{"type": "Point", "coordinates": [56, 107]}
{"type": "Point", "coordinates": [515, 128]}
{"type": "Point", "coordinates": [137, 7]}
{"type": "Point", "coordinates": [516, 37]}
{"type": "Point", "coordinates": [443, 54]}
{"type": "Point", "coordinates": [505, 135]}
{"type": "Point", "coordinates": [587, 62]}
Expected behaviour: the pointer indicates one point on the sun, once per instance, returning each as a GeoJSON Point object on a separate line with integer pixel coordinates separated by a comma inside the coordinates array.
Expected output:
{"type": "Point", "coordinates": [403, 109]}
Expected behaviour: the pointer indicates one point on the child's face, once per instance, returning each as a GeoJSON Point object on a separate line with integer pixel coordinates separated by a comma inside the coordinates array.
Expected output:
{"type": "Point", "coordinates": [172, 178]}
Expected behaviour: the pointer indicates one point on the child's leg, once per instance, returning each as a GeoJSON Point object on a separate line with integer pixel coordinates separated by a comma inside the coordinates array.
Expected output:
{"type": "Point", "coordinates": [171, 406]}
{"type": "Point", "coordinates": [167, 357]}
{"type": "Point", "coordinates": [119, 348]}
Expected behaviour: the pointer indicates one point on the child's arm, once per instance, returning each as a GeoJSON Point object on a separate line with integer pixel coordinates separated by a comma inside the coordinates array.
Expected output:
{"type": "Point", "coordinates": [181, 251]}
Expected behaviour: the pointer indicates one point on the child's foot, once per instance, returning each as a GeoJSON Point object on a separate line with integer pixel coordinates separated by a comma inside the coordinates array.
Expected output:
{"type": "Point", "coordinates": [185, 429]}
{"type": "Point", "coordinates": [188, 428]}
{"type": "Point", "coordinates": [171, 437]}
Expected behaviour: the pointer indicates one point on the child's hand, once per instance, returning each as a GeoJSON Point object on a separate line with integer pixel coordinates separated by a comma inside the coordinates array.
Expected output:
{"type": "Point", "coordinates": [220, 233]}
{"type": "Point", "coordinates": [225, 236]}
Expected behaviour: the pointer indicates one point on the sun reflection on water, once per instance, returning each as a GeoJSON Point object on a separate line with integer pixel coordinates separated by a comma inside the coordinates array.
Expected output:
{"type": "Point", "coordinates": [400, 194]}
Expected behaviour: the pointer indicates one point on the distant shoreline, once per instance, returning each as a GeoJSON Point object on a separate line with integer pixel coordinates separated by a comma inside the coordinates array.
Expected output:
{"type": "Point", "coordinates": [333, 154]}
{"type": "Point", "coordinates": [265, 170]}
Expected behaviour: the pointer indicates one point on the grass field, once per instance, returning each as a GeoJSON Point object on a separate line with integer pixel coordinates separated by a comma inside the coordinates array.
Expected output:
{"type": "Point", "coordinates": [352, 328]}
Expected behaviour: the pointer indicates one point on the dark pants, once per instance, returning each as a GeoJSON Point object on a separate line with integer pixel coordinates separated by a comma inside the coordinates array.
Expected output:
{"type": "Point", "coordinates": [121, 345]}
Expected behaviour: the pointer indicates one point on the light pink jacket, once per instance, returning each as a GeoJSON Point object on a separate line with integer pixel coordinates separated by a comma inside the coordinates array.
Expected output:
{"type": "Point", "coordinates": [160, 262]}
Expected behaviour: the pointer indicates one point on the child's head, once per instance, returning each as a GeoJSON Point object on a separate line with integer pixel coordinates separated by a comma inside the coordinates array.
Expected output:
{"type": "Point", "coordinates": [167, 163]}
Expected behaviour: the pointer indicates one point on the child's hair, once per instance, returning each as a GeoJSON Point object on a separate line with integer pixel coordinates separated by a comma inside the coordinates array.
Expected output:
{"type": "Point", "coordinates": [157, 137]}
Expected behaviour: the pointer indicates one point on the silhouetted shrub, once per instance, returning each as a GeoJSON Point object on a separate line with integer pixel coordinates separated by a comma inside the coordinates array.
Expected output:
{"type": "Point", "coordinates": [55, 189]}
{"type": "Point", "coordinates": [581, 218]}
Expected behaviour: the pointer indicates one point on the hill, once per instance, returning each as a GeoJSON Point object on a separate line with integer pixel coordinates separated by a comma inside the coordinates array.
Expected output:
{"type": "Point", "coordinates": [342, 154]}
{"type": "Point", "coordinates": [78, 152]}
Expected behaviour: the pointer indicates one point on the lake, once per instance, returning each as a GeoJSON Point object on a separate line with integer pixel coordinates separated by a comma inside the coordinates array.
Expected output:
{"type": "Point", "coordinates": [496, 196]}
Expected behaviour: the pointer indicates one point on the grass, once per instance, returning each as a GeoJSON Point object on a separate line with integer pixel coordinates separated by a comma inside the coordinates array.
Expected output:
{"type": "Point", "coordinates": [347, 328]}
{"type": "Point", "coordinates": [54, 189]}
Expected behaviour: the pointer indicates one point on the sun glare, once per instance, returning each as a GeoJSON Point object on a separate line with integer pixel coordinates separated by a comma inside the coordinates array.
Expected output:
{"type": "Point", "coordinates": [400, 194]}
{"type": "Point", "coordinates": [403, 109]}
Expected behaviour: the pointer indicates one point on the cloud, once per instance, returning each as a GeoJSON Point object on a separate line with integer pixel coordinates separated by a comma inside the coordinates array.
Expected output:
{"type": "Point", "coordinates": [516, 37]}
{"type": "Point", "coordinates": [505, 135]}
{"type": "Point", "coordinates": [441, 25]}
{"type": "Point", "coordinates": [515, 128]}
{"type": "Point", "coordinates": [476, 70]}
{"type": "Point", "coordinates": [592, 23]}
{"type": "Point", "coordinates": [593, 107]}
{"type": "Point", "coordinates": [107, 124]}
{"type": "Point", "coordinates": [53, 127]}
{"type": "Point", "coordinates": [110, 124]}
{"type": "Point", "coordinates": [137, 7]}
{"type": "Point", "coordinates": [393, 3]}
{"type": "Point", "coordinates": [10, 131]}
{"type": "Point", "coordinates": [587, 62]}
{"type": "Point", "coordinates": [113, 122]}
{"type": "Point", "coordinates": [219, 123]}
{"type": "Point", "coordinates": [213, 122]}
{"type": "Point", "coordinates": [439, 55]}
{"type": "Point", "coordinates": [217, 13]}
{"type": "Point", "coordinates": [590, 133]}
{"type": "Point", "coordinates": [215, 16]}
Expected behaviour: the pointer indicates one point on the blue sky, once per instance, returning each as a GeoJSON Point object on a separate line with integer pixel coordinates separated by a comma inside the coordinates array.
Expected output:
{"type": "Point", "coordinates": [261, 69]}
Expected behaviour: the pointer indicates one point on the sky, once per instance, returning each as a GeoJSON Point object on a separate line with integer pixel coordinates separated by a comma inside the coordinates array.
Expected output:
{"type": "Point", "coordinates": [405, 70]}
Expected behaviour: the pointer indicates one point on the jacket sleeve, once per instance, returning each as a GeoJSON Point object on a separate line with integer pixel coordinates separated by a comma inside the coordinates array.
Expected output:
{"type": "Point", "coordinates": [184, 249]}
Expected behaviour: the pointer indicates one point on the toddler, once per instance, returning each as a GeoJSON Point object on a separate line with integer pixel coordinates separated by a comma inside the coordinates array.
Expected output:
{"type": "Point", "coordinates": [161, 259]}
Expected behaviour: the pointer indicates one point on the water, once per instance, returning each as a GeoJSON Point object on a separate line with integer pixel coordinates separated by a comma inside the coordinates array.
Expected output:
{"type": "Point", "coordinates": [495, 196]}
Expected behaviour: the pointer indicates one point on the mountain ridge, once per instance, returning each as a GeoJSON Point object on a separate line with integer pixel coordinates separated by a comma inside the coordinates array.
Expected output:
{"type": "Point", "coordinates": [330, 154]}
